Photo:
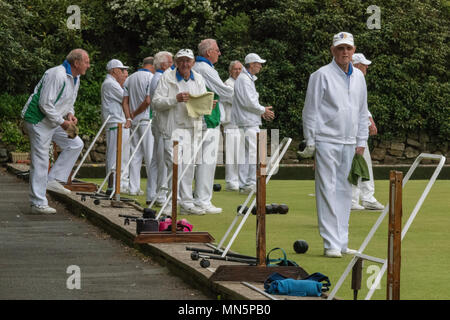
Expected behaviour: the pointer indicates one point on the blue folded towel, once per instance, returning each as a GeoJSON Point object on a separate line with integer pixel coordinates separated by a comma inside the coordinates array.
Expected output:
{"type": "Point", "coordinates": [291, 287]}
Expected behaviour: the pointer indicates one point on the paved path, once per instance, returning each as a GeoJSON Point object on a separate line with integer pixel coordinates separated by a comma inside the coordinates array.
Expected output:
{"type": "Point", "coordinates": [37, 250]}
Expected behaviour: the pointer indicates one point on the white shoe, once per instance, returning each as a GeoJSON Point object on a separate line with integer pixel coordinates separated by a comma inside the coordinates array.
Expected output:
{"type": "Point", "coordinates": [57, 187]}
{"type": "Point", "coordinates": [42, 210]}
{"type": "Point", "coordinates": [357, 206]}
{"type": "Point", "coordinates": [231, 187]}
{"type": "Point", "coordinates": [246, 190]}
{"type": "Point", "coordinates": [192, 210]}
{"type": "Point", "coordinates": [139, 193]}
{"type": "Point", "coordinates": [372, 205]}
{"type": "Point", "coordinates": [349, 251]}
{"type": "Point", "coordinates": [332, 253]}
{"type": "Point", "coordinates": [211, 209]}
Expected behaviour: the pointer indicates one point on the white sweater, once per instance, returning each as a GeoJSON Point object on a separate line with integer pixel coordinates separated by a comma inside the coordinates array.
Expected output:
{"type": "Point", "coordinates": [173, 114]}
{"type": "Point", "coordinates": [335, 109]}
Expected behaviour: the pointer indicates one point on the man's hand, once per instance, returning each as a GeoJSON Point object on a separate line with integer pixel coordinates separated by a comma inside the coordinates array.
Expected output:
{"type": "Point", "coordinates": [66, 124]}
{"type": "Point", "coordinates": [268, 114]}
{"type": "Point", "coordinates": [182, 97]}
{"type": "Point", "coordinates": [215, 103]}
{"type": "Point", "coordinates": [372, 128]}
{"type": "Point", "coordinates": [359, 150]}
{"type": "Point", "coordinates": [308, 152]}
{"type": "Point", "coordinates": [72, 118]}
{"type": "Point", "coordinates": [127, 124]}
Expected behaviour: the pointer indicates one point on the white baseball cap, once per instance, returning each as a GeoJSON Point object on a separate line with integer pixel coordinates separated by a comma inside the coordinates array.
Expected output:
{"type": "Point", "coordinates": [343, 38]}
{"type": "Point", "coordinates": [253, 57]}
{"type": "Point", "coordinates": [114, 63]}
{"type": "Point", "coordinates": [185, 53]}
{"type": "Point", "coordinates": [360, 58]}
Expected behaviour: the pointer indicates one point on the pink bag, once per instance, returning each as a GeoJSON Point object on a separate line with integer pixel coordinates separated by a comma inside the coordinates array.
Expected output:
{"type": "Point", "coordinates": [182, 225]}
{"type": "Point", "coordinates": [165, 224]}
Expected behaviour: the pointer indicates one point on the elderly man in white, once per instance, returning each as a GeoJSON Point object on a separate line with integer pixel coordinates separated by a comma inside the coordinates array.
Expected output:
{"type": "Point", "coordinates": [246, 114]}
{"type": "Point", "coordinates": [169, 101]}
{"type": "Point", "coordinates": [209, 53]}
{"type": "Point", "coordinates": [335, 127]}
{"type": "Point", "coordinates": [135, 103]}
{"type": "Point", "coordinates": [365, 190]}
{"type": "Point", "coordinates": [231, 135]}
{"type": "Point", "coordinates": [48, 112]}
{"type": "Point", "coordinates": [158, 171]}
{"type": "Point", "coordinates": [112, 95]}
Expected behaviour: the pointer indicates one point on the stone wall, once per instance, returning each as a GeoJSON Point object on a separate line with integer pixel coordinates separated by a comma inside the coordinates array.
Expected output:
{"type": "Point", "coordinates": [396, 151]}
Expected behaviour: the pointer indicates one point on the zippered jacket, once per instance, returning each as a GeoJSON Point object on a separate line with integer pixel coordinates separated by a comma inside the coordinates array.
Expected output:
{"type": "Point", "coordinates": [246, 110]}
{"type": "Point", "coordinates": [53, 97]}
{"type": "Point", "coordinates": [112, 95]}
{"type": "Point", "coordinates": [335, 109]}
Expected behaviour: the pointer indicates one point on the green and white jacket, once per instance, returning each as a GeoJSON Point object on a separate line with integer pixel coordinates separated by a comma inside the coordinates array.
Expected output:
{"type": "Point", "coordinates": [53, 97]}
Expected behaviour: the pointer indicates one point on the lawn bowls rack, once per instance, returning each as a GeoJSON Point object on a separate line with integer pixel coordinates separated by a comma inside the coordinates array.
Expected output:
{"type": "Point", "coordinates": [395, 234]}
{"type": "Point", "coordinates": [256, 268]}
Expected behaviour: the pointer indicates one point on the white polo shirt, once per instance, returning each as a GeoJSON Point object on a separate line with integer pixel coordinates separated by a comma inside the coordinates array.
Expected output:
{"type": "Point", "coordinates": [136, 87]}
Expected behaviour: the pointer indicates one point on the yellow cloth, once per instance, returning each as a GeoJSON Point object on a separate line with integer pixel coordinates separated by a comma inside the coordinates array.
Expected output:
{"type": "Point", "coordinates": [200, 104]}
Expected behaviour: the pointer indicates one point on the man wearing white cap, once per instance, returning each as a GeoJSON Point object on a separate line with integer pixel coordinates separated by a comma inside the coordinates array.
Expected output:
{"type": "Point", "coordinates": [231, 136]}
{"type": "Point", "coordinates": [209, 53]}
{"type": "Point", "coordinates": [48, 112]}
{"type": "Point", "coordinates": [112, 95]}
{"type": "Point", "coordinates": [246, 114]}
{"type": "Point", "coordinates": [365, 189]}
{"type": "Point", "coordinates": [335, 128]}
{"type": "Point", "coordinates": [169, 101]}
{"type": "Point", "coordinates": [136, 102]}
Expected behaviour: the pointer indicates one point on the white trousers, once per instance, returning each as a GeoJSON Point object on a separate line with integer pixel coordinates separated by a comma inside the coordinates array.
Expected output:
{"type": "Point", "coordinates": [158, 170]}
{"type": "Point", "coordinates": [111, 154]}
{"type": "Point", "coordinates": [206, 167]}
{"type": "Point", "coordinates": [40, 138]}
{"type": "Point", "coordinates": [365, 189]}
{"type": "Point", "coordinates": [231, 157]}
{"type": "Point", "coordinates": [333, 192]}
{"type": "Point", "coordinates": [185, 197]}
{"type": "Point", "coordinates": [247, 158]}
{"type": "Point", "coordinates": [144, 152]}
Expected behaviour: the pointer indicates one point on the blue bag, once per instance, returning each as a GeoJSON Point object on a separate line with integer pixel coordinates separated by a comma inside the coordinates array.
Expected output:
{"type": "Point", "coordinates": [311, 286]}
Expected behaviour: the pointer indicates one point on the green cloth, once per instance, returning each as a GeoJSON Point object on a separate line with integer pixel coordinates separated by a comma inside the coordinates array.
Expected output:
{"type": "Point", "coordinates": [359, 169]}
{"type": "Point", "coordinates": [213, 120]}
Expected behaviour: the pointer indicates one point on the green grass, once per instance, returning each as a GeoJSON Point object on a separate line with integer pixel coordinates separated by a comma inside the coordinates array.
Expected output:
{"type": "Point", "coordinates": [425, 249]}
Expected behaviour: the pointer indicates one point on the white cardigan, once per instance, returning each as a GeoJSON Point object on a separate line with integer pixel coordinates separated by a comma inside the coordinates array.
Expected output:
{"type": "Point", "coordinates": [335, 109]}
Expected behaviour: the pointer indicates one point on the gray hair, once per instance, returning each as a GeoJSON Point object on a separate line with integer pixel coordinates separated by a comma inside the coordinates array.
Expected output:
{"type": "Point", "coordinates": [232, 63]}
{"type": "Point", "coordinates": [75, 55]}
{"type": "Point", "coordinates": [205, 45]}
{"type": "Point", "coordinates": [160, 58]}
{"type": "Point", "coordinates": [148, 60]}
